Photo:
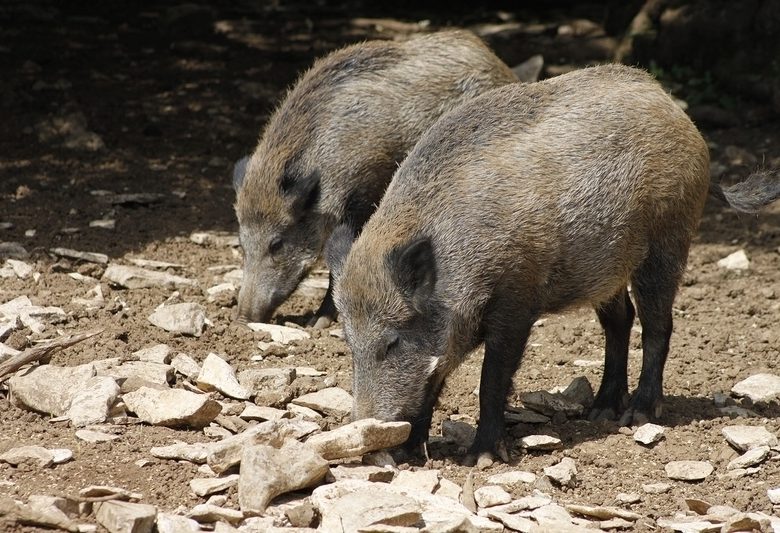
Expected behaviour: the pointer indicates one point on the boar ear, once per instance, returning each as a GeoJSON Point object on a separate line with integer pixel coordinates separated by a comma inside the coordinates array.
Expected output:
{"type": "Point", "coordinates": [304, 192]}
{"type": "Point", "coordinates": [239, 171]}
{"type": "Point", "coordinates": [338, 246]}
{"type": "Point", "coordinates": [414, 268]}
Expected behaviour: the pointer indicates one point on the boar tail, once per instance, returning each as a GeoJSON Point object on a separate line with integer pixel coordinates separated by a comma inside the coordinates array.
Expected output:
{"type": "Point", "coordinates": [760, 189]}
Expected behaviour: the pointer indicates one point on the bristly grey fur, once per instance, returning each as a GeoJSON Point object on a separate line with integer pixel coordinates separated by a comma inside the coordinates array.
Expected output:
{"type": "Point", "coordinates": [535, 198]}
{"type": "Point", "coordinates": [330, 149]}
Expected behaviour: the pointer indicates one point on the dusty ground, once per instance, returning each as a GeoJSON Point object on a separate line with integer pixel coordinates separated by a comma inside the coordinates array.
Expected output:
{"type": "Point", "coordinates": [174, 104]}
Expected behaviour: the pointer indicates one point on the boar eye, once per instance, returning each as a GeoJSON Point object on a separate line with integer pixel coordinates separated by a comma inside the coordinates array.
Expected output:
{"type": "Point", "coordinates": [275, 245]}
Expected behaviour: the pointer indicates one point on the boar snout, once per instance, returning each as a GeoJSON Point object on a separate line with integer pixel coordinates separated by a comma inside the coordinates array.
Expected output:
{"type": "Point", "coordinates": [255, 306]}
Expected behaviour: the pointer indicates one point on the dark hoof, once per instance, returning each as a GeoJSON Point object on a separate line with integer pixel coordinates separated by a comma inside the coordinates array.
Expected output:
{"type": "Point", "coordinates": [635, 416]}
{"type": "Point", "coordinates": [607, 406]}
{"type": "Point", "coordinates": [482, 459]}
{"type": "Point", "coordinates": [598, 414]}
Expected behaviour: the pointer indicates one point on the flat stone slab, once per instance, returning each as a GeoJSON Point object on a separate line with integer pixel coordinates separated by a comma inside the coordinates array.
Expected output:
{"type": "Point", "coordinates": [156, 373]}
{"type": "Point", "coordinates": [131, 277]}
{"type": "Point", "coordinates": [688, 470]}
{"type": "Point", "coordinates": [159, 353]}
{"type": "Point", "coordinates": [540, 442]}
{"type": "Point", "coordinates": [750, 458]}
{"type": "Point", "coordinates": [39, 455]}
{"type": "Point", "coordinates": [207, 486]}
{"type": "Point", "coordinates": [172, 523]}
{"type": "Point", "coordinates": [90, 257]}
{"type": "Point", "coordinates": [255, 379]}
{"type": "Point", "coordinates": [357, 511]}
{"type": "Point", "coordinates": [184, 318]}
{"type": "Point", "coordinates": [267, 472]}
{"type": "Point", "coordinates": [225, 454]}
{"type": "Point", "coordinates": [208, 514]}
{"type": "Point", "coordinates": [259, 412]}
{"type": "Point", "coordinates": [185, 365]}
{"type": "Point", "coordinates": [735, 261]}
{"type": "Point", "coordinates": [125, 517]}
{"type": "Point", "coordinates": [333, 401]}
{"type": "Point", "coordinates": [359, 437]}
{"type": "Point", "coordinates": [602, 512]}
{"type": "Point", "coordinates": [491, 495]}
{"type": "Point", "coordinates": [173, 407]}
{"type": "Point", "coordinates": [512, 478]}
{"type": "Point", "coordinates": [280, 334]}
{"type": "Point", "coordinates": [423, 480]}
{"type": "Point", "coordinates": [363, 472]}
{"type": "Point", "coordinates": [656, 488]}
{"type": "Point", "coordinates": [564, 473]}
{"type": "Point", "coordinates": [648, 434]}
{"type": "Point", "coordinates": [759, 387]}
{"type": "Point", "coordinates": [744, 438]}
{"type": "Point", "coordinates": [90, 435]}
{"type": "Point", "coordinates": [103, 492]}
{"type": "Point", "coordinates": [91, 404]}
{"type": "Point", "coordinates": [217, 374]}
{"type": "Point", "coordinates": [50, 389]}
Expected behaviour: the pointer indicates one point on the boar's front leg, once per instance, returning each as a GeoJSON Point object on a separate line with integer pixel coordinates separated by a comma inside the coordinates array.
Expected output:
{"type": "Point", "coordinates": [505, 339]}
{"type": "Point", "coordinates": [327, 312]}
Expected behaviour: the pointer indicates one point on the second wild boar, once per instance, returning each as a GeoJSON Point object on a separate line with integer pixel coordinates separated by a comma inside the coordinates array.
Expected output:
{"type": "Point", "coordinates": [330, 149]}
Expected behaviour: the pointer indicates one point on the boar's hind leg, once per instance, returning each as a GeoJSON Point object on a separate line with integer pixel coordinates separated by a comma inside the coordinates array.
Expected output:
{"type": "Point", "coordinates": [505, 339]}
{"type": "Point", "coordinates": [654, 284]}
{"type": "Point", "coordinates": [327, 313]}
{"type": "Point", "coordinates": [616, 317]}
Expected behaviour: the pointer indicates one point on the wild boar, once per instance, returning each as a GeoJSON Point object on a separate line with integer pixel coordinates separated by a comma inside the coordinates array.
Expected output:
{"type": "Point", "coordinates": [329, 151]}
{"type": "Point", "coordinates": [527, 200]}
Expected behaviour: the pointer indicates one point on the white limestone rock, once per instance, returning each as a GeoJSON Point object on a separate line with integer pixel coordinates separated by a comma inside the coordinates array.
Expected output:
{"type": "Point", "coordinates": [735, 261]}
{"type": "Point", "coordinates": [208, 486]}
{"type": "Point", "coordinates": [649, 434]}
{"type": "Point", "coordinates": [267, 472]}
{"type": "Point", "coordinates": [332, 401]}
{"type": "Point", "coordinates": [759, 387]}
{"type": "Point", "coordinates": [744, 438]}
{"type": "Point", "coordinates": [688, 470]}
{"type": "Point", "coordinates": [564, 473]}
{"type": "Point", "coordinates": [131, 277]}
{"type": "Point", "coordinates": [359, 437]}
{"type": "Point", "coordinates": [173, 407]}
{"type": "Point", "coordinates": [491, 495]}
{"type": "Point", "coordinates": [185, 318]}
{"type": "Point", "coordinates": [91, 404]}
{"type": "Point", "coordinates": [280, 334]}
{"type": "Point", "coordinates": [126, 517]}
{"type": "Point", "coordinates": [49, 389]}
{"type": "Point", "coordinates": [217, 374]}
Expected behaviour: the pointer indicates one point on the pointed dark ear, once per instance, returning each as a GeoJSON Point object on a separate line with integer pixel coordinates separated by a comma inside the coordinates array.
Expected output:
{"type": "Point", "coordinates": [413, 266]}
{"type": "Point", "coordinates": [303, 191]}
{"type": "Point", "coordinates": [239, 171]}
{"type": "Point", "coordinates": [337, 248]}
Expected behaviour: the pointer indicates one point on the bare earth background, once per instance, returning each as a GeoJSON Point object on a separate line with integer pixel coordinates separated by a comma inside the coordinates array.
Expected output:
{"type": "Point", "coordinates": [160, 99]}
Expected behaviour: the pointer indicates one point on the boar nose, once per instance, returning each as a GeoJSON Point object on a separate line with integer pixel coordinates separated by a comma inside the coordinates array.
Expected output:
{"type": "Point", "coordinates": [252, 314]}
{"type": "Point", "coordinates": [254, 306]}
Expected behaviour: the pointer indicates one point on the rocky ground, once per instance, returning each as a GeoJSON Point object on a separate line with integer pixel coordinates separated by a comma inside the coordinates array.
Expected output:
{"type": "Point", "coordinates": [115, 219]}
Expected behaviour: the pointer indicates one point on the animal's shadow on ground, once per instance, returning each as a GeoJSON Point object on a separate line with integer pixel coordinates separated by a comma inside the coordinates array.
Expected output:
{"type": "Point", "coordinates": [677, 411]}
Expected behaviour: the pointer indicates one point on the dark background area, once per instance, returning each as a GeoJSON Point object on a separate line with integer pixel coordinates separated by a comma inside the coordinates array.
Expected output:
{"type": "Point", "coordinates": [162, 97]}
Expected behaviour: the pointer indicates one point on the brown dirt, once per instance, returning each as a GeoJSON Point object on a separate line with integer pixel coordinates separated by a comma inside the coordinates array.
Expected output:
{"type": "Point", "coordinates": [174, 107]}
